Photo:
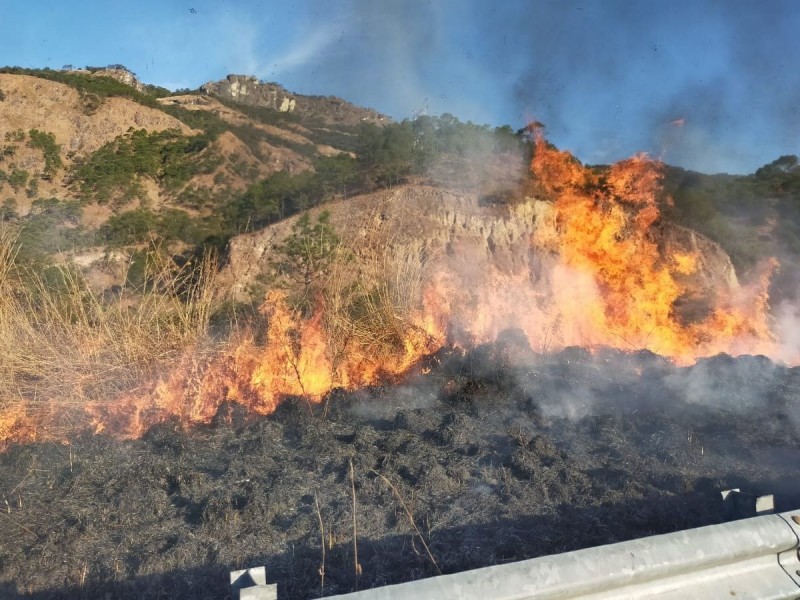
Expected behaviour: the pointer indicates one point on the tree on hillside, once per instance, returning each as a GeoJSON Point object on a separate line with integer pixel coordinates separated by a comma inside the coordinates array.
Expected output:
{"type": "Point", "coordinates": [306, 256]}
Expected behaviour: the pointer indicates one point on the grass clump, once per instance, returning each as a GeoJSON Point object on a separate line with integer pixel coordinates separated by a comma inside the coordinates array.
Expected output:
{"type": "Point", "coordinates": [66, 345]}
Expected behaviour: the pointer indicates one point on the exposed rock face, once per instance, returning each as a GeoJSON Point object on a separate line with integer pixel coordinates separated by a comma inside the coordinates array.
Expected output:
{"type": "Point", "coordinates": [121, 75]}
{"type": "Point", "coordinates": [481, 246]}
{"type": "Point", "coordinates": [118, 72]}
{"type": "Point", "coordinates": [248, 90]}
{"type": "Point", "coordinates": [714, 277]}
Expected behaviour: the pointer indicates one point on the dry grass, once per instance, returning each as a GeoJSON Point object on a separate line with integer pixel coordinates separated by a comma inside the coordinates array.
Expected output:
{"type": "Point", "coordinates": [66, 344]}
{"type": "Point", "coordinates": [371, 301]}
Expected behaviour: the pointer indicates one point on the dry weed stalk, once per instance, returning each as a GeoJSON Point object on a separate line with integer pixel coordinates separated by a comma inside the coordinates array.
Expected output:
{"type": "Point", "coordinates": [356, 565]}
{"type": "Point", "coordinates": [322, 546]}
{"type": "Point", "coordinates": [411, 520]}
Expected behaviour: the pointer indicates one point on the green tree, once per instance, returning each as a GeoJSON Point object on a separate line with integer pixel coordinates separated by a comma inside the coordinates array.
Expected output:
{"type": "Point", "coordinates": [337, 175]}
{"type": "Point", "coordinates": [18, 178]}
{"type": "Point", "coordinates": [305, 257]}
{"type": "Point", "coordinates": [46, 142]}
{"type": "Point", "coordinates": [130, 227]}
{"type": "Point", "coordinates": [8, 210]}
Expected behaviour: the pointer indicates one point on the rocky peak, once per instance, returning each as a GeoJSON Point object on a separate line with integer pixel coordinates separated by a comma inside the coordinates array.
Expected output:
{"type": "Point", "coordinates": [118, 72]}
{"type": "Point", "coordinates": [122, 75]}
{"type": "Point", "coordinates": [248, 90]}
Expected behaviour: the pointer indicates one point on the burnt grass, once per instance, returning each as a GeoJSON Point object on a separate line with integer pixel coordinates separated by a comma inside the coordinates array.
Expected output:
{"type": "Point", "coordinates": [483, 458]}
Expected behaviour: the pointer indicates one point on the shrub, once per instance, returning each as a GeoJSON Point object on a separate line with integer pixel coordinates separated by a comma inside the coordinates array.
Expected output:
{"type": "Point", "coordinates": [65, 343]}
{"type": "Point", "coordinates": [114, 170]}
{"type": "Point", "coordinates": [50, 227]}
{"type": "Point", "coordinates": [18, 178]}
{"type": "Point", "coordinates": [305, 257]}
{"type": "Point", "coordinates": [46, 142]}
{"type": "Point", "coordinates": [129, 227]}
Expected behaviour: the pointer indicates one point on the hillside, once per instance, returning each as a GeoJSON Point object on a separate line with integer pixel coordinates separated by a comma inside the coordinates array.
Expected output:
{"type": "Point", "coordinates": [116, 162]}
{"type": "Point", "coordinates": [242, 308]}
{"type": "Point", "coordinates": [379, 231]}
{"type": "Point", "coordinates": [105, 144]}
{"type": "Point", "coordinates": [95, 161]}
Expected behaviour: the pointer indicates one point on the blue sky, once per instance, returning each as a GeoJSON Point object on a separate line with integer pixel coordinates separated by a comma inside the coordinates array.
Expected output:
{"type": "Point", "coordinates": [712, 85]}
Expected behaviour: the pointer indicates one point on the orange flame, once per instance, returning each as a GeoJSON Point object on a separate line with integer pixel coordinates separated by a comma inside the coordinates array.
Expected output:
{"type": "Point", "coordinates": [607, 224]}
{"type": "Point", "coordinates": [296, 359]}
{"type": "Point", "coordinates": [594, 273]}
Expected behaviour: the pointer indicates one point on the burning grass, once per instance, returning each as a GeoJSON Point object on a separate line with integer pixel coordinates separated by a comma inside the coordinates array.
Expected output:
{"type": "Point", "coordinates": [484, 460]}
{"type": "Point", "coordinates": [124, 362]}
{"type": "Point", "coordinates": [403, 403]}
{"type": "Point", "coordinates": [592, 270]}
{"type": "Point", "coordinates": [67, 347]}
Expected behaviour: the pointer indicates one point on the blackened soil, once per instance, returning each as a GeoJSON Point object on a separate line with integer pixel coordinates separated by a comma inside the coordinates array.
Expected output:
{"type": "Point", "coordinates": [494, 456]}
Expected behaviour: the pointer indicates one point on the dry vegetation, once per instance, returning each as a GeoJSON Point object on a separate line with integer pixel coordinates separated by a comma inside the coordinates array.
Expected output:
{"type": "Point", "coordinates": [66, 344]}
{"type": "Point", "coordinates": [370, 302]}
{"type": "Point", "coordinates": [69, 347]}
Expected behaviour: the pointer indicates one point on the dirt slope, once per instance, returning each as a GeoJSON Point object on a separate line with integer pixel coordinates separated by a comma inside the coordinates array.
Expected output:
{"type": "Point", "coordinates": [34, 103]}
{"type": "Point", "coordinates": [79, 128]}
{"type": "Point", "coordinates": [460, 233]}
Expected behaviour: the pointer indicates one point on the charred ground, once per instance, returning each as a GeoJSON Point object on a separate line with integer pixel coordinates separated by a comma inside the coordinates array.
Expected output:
{"type": "Point", "coordinates": [495, 455]}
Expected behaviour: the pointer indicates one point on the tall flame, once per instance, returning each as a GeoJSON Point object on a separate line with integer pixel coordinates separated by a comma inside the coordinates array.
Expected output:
{"type": "Point", "coordinates": [603, 279]}
{"type": "Point", "coordinates": [612, 281]}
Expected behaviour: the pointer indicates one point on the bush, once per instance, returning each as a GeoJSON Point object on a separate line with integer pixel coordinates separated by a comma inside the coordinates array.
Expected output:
{"type": "Point", "coordinates": [305, 257]}
{"type": "Point", "coordinates": [114, 170]}
{"type": "Point", "coordinates": [130, 227]}
{"type": "Point", "coordinates": [18, 178]}
{"type": "Point", "coordinates": [46, 142]}
{"type": "Point", "coordinates": [8, 210]}
{"type": "Point", "coordinates": [50, 227]}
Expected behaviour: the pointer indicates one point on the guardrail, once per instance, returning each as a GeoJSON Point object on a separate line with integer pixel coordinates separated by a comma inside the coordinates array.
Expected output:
{"type": "Point", "coordinates": [754, 558]}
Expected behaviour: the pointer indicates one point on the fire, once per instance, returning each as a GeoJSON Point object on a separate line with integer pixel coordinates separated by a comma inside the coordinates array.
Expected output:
{"type": "Point", "coordinates": [607, 278]}
{"type": "Point", "coordinates": [607, 223]}
{"type": "Point", "coordinates": [596, 273]}
{"type": "Point", "coordinates": [297, 358]}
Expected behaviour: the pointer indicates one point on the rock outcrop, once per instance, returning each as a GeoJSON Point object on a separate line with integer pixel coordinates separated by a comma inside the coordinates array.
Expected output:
{"type": "Point", "coordinates": [248, 90]}
{"type": "Point", "coordinates": [477, 244]}
{"type": "Point", "coordinates": [121, 75]}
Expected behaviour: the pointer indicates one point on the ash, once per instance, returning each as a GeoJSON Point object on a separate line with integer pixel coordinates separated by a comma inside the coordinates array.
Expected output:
{"type": "Point", "coordinates": [471, 460]}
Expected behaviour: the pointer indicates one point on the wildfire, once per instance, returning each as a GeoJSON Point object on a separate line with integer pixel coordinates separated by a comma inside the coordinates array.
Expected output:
{"type": "Point", "coordinates": [297, 358]}
{"type": "Point", "coordinates": [607, 223]}
{"type": "Point", "coordinates": [600, 275]}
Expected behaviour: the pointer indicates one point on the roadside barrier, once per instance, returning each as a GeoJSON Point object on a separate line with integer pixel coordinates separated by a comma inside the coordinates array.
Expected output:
{"type": "Point", "coordinates": [754, 558]}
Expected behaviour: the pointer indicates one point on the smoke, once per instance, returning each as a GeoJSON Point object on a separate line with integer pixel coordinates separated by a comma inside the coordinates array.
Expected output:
{"type": "Point", "coordinates": [607, 78]}
{"type": "Point", "coordinates": [787, 322]}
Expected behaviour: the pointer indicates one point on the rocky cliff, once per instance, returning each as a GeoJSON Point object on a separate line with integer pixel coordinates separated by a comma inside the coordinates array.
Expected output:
{"type": "Point", "coordinates": [248, 90]}
{"type": "Point", "coordinates": [480, 248]}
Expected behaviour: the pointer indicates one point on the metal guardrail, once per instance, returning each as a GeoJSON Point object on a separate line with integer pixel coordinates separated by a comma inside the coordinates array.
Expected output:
{"type": "Point", "coordinates": [754, 558]}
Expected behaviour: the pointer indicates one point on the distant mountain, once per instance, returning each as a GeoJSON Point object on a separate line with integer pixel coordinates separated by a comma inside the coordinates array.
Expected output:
{"type": "Point", "coordinates": [248, 90]}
